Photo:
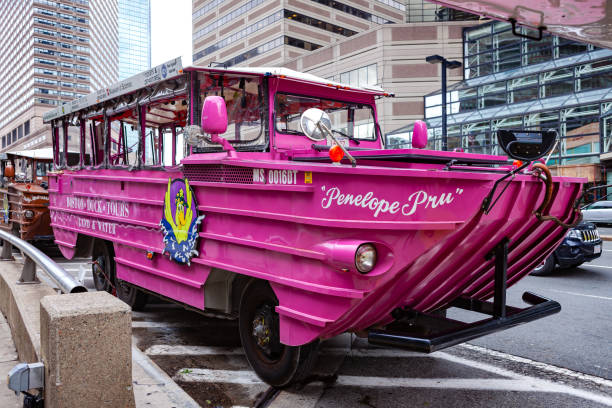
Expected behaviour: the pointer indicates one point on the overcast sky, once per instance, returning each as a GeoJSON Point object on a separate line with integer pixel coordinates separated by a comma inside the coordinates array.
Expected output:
{"type": "Point", "coordinates": [170, 31]}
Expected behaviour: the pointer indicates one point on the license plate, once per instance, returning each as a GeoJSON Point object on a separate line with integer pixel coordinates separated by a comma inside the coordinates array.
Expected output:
{"type": "Point", "coordinates": [597, 249]}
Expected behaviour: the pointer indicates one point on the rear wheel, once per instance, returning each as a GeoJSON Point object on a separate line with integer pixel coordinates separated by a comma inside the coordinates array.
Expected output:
{"type": "Point", "coordinates": [103, 267]}
{"type": "Point", "coordinates": [275, 363]}
{"type": "Point", "coordinates": [545, 268]}
{"type": "Point", "coordinates": [105, 278]}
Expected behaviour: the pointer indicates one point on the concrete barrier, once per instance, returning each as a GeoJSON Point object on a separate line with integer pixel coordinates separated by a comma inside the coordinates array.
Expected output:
{"type": "Point", "coordinates": [20, 304]}
{"type": "Point", "coordinates": [87, 352]}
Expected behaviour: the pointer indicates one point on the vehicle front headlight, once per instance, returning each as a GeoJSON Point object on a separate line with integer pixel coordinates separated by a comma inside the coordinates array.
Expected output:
{"type": "Point", "coordinates": [29, 214]}
{"type": "Point", "coordinates": [365, 258]}
{"type": "Point", "coordinates": [574, 234]}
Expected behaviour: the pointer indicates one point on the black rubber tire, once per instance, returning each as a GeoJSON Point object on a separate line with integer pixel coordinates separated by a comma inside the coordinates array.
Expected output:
{"type": "Point", "coordinates": [104, 254]}
{"type": "Point", "coordinates": [287, 364]}
{"type": "Point", "coordinates": [546, 268]}
{"type": "Point", "coordinates": [131, 295]}
{"type": "Point", "coordinates": [439, 313]}
{"type": "Point", "coordinates": [103, 263]}
{"type": "Point", "coordinates": [575, 265]}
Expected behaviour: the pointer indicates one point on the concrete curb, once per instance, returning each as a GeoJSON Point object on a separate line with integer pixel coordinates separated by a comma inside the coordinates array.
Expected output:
{"type": "Point", "coordinates": [8, 360]}
{"type": "Point", "coordinates": [152, 387]}
{"type": "Point", "coordinates": [21, 306]}
{"type": "Point", "coordinates": [163, 391]}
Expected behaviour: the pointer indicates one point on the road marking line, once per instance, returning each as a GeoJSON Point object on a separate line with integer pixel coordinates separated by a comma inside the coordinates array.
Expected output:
{"type": "Point", "coordinates": [220, 376]}
{"type": "Point", "coordinates": [147, 324]}
{"type": "Point", "coordinates": [174, 350]}
{"type": "Point", "coordinates": [581, 294]}
{"type": "Point", "coordinates": [306, 397]}
{"type": "Point", "coordinates": [445, 383]}
{"type": "Point", "coordinates": [515, 382]}
{"type": "Point", "coordinates": [543, 366]}
{"type": "Point", "coordinates": [166, 350]}
{"type": "Point", "coordinates": [543, 385]}
{"type": "Point", "coordinates": [249, 378]}
{"type": "Point", "coordinates": [163, 325]}
{"type": "Point", "coordinates": [520, 384]}
{"type": "Point", "coordinates": [175, 394]}
{"type": "Point", "coordinates": [597, 266]}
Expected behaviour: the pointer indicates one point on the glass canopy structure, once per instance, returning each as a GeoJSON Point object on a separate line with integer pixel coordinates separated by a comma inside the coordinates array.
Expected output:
{"type": "Point", "coordinates": [515, 82]}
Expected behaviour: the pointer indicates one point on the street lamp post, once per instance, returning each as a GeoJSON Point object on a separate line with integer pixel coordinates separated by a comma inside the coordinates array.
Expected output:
{"type": "Point", "coordinates": [446, 64]}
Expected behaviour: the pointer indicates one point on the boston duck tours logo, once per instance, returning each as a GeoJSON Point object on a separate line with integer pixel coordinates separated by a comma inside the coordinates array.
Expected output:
{"type": "Point", "coordinates": [180, 222]}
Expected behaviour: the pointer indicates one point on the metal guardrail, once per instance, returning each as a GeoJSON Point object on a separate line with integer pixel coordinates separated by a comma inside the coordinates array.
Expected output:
{"type": "Point", "coordinates": [32, 257]}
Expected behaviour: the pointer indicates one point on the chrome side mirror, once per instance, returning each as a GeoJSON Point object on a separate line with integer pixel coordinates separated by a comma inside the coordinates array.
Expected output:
{"type": "Point", "coordinates": [309, 122]}
{"type": "Point", "coordinates": [526, 145]}
{"type": "Point", "coordinates": [315, 124]}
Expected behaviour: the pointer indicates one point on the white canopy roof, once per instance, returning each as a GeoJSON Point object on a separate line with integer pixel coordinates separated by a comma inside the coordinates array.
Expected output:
{"type": "Point", "coordinates": [172, 69]}
{"type": "Point", "coordinates": [289, 73]}
{"type": "Point", "coordinates": [46, 153]}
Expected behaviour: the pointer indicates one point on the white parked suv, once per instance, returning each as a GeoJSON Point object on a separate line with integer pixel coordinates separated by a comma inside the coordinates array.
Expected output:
{"type": "Point", "coordinates": [598, 213]}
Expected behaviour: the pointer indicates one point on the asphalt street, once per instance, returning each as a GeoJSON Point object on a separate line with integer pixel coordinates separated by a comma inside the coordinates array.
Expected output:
{"type": "Point", "coordinates": [580, 336]}
{"type": "Point", "coordinates": [563, 360]}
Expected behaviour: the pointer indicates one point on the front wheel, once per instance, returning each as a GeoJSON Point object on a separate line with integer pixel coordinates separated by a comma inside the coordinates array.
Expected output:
{"type": "Point", "coordinates": [545, 268]}
{"type": "Point", "coordinates": [134, 297]}
{"type": "Point", "coordinates": [275, 363]}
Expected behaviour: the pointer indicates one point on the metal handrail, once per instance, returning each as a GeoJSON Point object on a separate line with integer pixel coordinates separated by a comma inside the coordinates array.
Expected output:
{"type": "Point", "coordinates": [65, 282]}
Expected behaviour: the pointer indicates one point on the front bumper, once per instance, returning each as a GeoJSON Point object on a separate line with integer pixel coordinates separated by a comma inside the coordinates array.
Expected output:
{"type": "Point", "coordinates": [574, 252]}
{"type": "Point", "coordinates": [427, 333]}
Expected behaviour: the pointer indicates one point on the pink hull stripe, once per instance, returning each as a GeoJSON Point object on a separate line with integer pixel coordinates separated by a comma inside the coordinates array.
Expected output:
{"type": "Point", "coordinates": [302, 237]}
{"type": "Point", "coordinates": [327, 290]}
{"type": "Point", "coordinates": [184, 281]}
{"type": "Point", "coordinates": [327, 222]}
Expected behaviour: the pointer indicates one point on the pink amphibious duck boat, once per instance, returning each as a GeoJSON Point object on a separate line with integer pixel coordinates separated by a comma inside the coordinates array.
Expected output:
{"type": "Point", "coordinates": [216, 188]}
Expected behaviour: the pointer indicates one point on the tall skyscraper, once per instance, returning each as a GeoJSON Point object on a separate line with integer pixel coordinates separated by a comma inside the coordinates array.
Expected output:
{"type": "Point", "coordinates": [55, 51]}
{"type": "Point", "coordinates": [105, 43]}
{"type": "Point", "coordinates": [271, 32]}
{"type": "Point", "coordinates": [134, 37]}
{"type": "Point", "coordinates": [357, 42]}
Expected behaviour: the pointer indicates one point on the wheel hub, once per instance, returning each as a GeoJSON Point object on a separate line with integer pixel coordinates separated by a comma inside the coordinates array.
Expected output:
{"type": "Point", "coordinates": [262, 329]}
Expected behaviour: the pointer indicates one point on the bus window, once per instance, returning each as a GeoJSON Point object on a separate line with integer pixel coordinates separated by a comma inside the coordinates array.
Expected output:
{"type": "Point", "coordinates": [181, 147]}
{"type": "Point", "coordinates": [161, 118]}
{"type": "Point", "coordinates": [41, 169]}
{"type": "Point", "coordinates": [167, 147]}
{"type": "Point", "coordinates": [151, 147]}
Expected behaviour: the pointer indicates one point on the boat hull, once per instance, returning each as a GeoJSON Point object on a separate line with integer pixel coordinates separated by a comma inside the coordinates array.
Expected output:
{"type": "Point", "coordinates": [297, 226]}
{"type": "Point", "coordinates": [16, 199]}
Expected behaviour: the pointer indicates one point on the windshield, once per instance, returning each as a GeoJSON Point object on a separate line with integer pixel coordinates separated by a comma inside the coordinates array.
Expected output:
{"type": "Point", "coordinates": [352, 119]}
{"type": "Point", "coordinates": [245, 106]}
{"type": "Point", "coordinates": [42, 169]}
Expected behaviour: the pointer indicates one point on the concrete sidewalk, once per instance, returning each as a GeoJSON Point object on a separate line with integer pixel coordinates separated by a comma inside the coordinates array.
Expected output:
{"type": "Point", "coordinates": [8, 360]}
{"type": "Point", "coordinates": [21, 305]}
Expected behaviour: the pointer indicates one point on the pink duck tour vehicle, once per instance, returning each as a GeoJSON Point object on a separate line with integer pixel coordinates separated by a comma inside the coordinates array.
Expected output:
{"type": "Point", "coordinates": [266, 195]}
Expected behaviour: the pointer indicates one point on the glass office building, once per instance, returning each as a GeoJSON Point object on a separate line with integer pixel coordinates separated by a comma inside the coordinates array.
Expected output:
{"type": "Point", "coordinates": [421, 11]}
{"type": "Point", "coordinates": [516, 82]}
{"type": "Point", "coordinates": [134, 37]}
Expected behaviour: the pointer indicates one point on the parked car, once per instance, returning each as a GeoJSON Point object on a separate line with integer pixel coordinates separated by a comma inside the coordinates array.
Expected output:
{"type": "Point", "coordinates": [581, 244]}
{"type": "Point", "coordinates": [598, 213]}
